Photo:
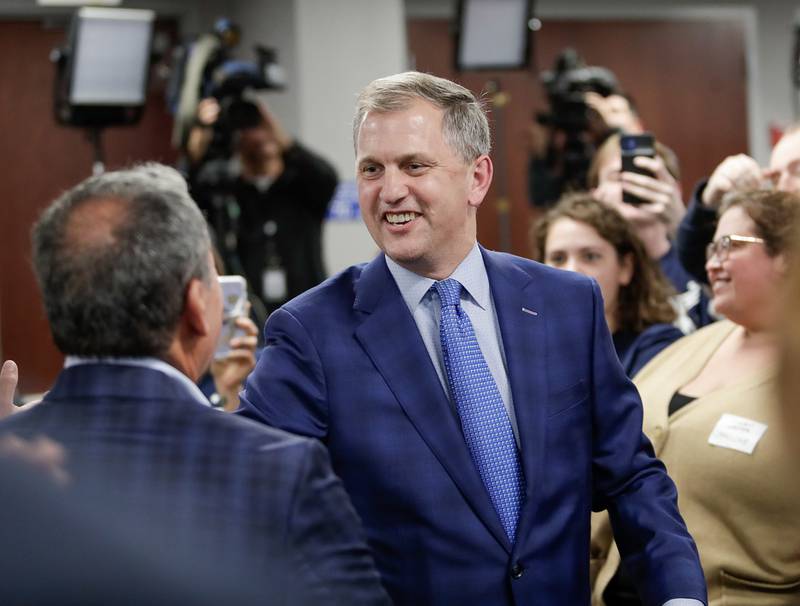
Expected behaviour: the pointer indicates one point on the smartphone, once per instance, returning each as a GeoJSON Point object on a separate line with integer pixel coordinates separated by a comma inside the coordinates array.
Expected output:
{"type": "Point", "coordinates": [234, 304]}
{"type": "Point", "coordinates": [632, 146]}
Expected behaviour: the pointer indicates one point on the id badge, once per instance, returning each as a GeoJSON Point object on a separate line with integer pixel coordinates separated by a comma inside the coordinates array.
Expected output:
{"type": "Point", "coordinates": [273, 284]}
{"type": "Point", "coordinates": [737, 433]}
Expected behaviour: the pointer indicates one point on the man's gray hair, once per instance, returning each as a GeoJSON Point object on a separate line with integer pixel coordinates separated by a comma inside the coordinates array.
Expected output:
{"type": "Point", "coordinates": [464, 124]}
{"type": "Point", "coordinates": [113, 257]}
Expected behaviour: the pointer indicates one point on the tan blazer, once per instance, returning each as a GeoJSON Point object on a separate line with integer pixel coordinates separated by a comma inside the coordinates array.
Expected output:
{"type": "Point", "coordinates": [742, 510]}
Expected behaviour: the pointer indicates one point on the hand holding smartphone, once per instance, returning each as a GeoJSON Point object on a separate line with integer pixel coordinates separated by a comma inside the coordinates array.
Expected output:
{"type": "Point", "coordinates": [630, 147]}
{"type": "Point", "coordinates": [234, 304]}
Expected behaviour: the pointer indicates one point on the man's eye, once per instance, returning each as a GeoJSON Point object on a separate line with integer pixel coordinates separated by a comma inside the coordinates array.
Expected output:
{"type": "Point", "coordinates": [555, 260]}
{"type": "Point", "coordinates": [369, 170]}
{"type": "Point", "coordinates": [591, 255]}
{"type": "Point", "coordinates": [415, 167]}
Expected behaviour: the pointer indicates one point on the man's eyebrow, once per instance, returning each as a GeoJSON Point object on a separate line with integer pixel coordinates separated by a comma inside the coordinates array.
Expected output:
{"type": "Point", "coordinates": [404, 159]}
{"type": "Point", "coordinates": [416, 157]}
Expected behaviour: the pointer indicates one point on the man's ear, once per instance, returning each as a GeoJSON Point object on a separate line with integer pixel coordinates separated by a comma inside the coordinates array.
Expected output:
{"type": "Point", "coordinates": [481, 179]}
{"type": "Point", "coordinates": [194, 308]}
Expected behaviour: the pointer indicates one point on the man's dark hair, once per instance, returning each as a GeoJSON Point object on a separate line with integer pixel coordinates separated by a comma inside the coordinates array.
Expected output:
{"type": "Point", "coordinates": [113, 257]}
{"type": "Point", "coordinates": [242, 115]}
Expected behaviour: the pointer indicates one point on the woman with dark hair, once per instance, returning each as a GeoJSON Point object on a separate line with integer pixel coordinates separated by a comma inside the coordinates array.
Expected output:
{"type": "Point", "coordinates": [581, 234]}
{"type": "Point", "coordinates": [710, 411]}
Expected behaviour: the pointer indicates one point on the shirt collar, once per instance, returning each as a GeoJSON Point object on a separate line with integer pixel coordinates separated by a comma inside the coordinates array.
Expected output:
{"type": "Point", "coordinates": [144, 362]}
{"type": "Point", "coordinates": [471, 273]}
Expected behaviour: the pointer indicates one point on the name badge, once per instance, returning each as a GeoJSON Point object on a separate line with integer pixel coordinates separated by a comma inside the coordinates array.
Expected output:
{"type": "Point", "coordinates": [737, 433]}
{"type": "Point", "coordinates": [273, 284]}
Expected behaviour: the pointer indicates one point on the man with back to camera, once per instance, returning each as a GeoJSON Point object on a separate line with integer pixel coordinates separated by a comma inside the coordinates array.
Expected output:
{"type": "Point", "coordinates": [735, 173]}
{"type": "Point", "coordinates": [471, 401]}
{"type": "Point", "coordinates": [126, 272]}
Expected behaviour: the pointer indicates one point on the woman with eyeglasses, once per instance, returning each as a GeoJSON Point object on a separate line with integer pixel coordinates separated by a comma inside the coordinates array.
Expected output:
{"type": "Point", "coordinates": [710, 411]}
{"type": "Point", "coordinates": [582, 234]}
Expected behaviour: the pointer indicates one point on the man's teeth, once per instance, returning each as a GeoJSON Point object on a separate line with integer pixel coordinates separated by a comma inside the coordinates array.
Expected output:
{"type": "Point", "coordinates": [397, 218]}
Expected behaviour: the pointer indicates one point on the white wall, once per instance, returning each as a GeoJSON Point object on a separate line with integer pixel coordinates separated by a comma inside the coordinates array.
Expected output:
{"type": "Point", "coordinates": [272, 24]}
{"type": "Point", "coordinates": [342, 46]}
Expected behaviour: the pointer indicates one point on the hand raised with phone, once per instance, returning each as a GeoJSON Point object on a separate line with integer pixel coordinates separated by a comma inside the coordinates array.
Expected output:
{"type": "Point", "coordinates": [659, 193]}
{"type": "Point", "coordinates": [639, 186]}
{"type": "Point", "coordinates": [230, 370]}
{"type": "Point", "coordinates": [235, 354]}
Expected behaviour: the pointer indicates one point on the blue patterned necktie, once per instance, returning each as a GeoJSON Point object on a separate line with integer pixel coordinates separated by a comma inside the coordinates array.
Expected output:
{"type": "Point", "coordinates": [484, 421]}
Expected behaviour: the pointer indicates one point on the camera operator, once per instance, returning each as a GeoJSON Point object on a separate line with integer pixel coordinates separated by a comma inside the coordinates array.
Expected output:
{"type": "Point", "coordinates": [585, 108]}
{"type": "Point", "coordinates": [266, 201]}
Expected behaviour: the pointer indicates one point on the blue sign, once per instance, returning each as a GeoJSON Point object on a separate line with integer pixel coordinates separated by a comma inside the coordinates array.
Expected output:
{"type": "Point", "coordinates": [344, 204]}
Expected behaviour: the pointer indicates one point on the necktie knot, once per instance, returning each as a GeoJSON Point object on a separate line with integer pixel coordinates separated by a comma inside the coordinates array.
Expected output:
{"type": "Point", "coordinates": [449, 291]}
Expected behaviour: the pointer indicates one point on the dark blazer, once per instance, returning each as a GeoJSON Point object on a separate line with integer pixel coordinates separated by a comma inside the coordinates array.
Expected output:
{"type": "Point", "coordinates": [345, 363]}
{"type": "Point", "coordinates": [636, 350]}
{"type": "Point", "coordinates": [194, 480]}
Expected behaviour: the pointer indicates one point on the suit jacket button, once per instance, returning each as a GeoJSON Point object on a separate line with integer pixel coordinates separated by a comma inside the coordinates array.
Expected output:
{"type": "Point", "coordinates": [516, 571]}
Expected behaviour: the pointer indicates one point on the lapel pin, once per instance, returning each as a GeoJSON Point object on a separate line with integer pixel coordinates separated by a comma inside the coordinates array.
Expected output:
{"type": "Point", "coordinates": [530, 311]}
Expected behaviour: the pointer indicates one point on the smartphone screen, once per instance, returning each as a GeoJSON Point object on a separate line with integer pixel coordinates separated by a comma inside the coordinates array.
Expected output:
{"type": "Point", "coordinates": [234, 303]}
{"type": "Point", "coordinates": [630, 147]}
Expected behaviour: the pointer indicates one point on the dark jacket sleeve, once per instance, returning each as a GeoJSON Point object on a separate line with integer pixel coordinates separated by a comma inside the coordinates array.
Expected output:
{"type": "Point", "coordinates": [632, 484]}
{"type": "Point", "coordinates": [649, 344]}
{"type": "Point", "coordinates": [332, 559]}
{"type": "Point", "coordinates": [695, 233]}
{"type": "Point", "coordinates": [289, 371]}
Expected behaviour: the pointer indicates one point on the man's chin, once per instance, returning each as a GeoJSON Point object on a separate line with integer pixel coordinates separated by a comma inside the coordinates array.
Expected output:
{"type": "Point", "coordinates": [403, 256]}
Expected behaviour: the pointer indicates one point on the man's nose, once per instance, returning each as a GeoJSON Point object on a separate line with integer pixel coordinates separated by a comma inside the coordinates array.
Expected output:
{"type": "Point", "coordinates": [394, 187]}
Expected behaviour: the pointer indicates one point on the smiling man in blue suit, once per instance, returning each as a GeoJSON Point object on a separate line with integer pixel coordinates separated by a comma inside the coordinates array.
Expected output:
{"type": "Point", "coordinates": [471, 401]}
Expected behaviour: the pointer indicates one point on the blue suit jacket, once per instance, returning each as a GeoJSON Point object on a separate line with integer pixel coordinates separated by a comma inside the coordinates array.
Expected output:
{"type": "Point", "coordinates": [345, 363]}
{"type": "Point", "coordinates": [194, 482]}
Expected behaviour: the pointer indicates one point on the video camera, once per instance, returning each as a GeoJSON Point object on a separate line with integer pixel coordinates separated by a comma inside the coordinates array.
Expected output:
{"type": "Point", "coordinates": [564, 167]}
{"type": "Point", "coordinates": [206, 68]}
{"type": "Point", "coordinates": [566, 85]}
{"type": "Point", "coordinates": [232, 81]}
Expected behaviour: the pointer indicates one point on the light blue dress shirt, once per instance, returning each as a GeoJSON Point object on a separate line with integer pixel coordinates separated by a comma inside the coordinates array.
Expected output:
{"type": "Point", "coordinates": [476, 301]}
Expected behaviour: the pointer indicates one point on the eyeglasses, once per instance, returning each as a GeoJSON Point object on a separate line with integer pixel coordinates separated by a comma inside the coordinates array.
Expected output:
{"type": "Point", "coordinates": [722, 247]}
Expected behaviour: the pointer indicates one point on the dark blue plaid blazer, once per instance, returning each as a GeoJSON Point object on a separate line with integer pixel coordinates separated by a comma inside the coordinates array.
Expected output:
{"type": "Point", "coordinates": [247, 496]}
{"type": "Point", "coordinates": [345, 363]}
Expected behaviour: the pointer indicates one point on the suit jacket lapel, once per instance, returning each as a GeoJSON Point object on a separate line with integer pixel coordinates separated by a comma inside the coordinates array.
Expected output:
{"type": "Point", "coordinates": [391, 339]}
{"type": "Point", "coordinates": [524, 340]}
